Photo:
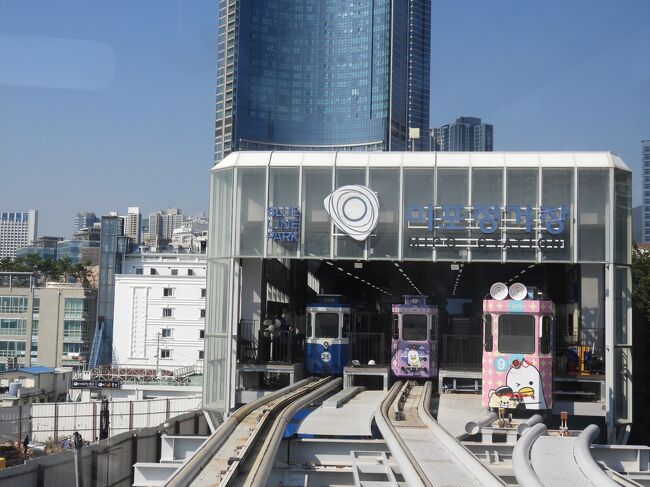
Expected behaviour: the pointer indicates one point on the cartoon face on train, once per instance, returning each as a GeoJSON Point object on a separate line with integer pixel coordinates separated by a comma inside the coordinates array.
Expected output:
{"type": "Point", "coordinates": [414, 346]}
{"type": "Point", "coordinates": [517, 359]}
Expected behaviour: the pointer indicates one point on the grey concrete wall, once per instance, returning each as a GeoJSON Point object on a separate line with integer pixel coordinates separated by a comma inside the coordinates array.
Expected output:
{"type": "Point", "coordinates": [106, 463]}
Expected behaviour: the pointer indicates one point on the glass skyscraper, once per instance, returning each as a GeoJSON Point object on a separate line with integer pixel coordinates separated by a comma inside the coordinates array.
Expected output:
{"type": "Point", "coordinates": [322, 74]}
{"type": "Point", "coordinates": [645, 164]}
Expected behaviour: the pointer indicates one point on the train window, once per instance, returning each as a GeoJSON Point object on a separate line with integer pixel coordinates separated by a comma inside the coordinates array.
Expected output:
{"type": "Point", "coordinates": [327, 325]}
{"type": "Point", "coordinates": [395, 326]}
{"type": "Point", "coordinates": [545, 335]}
{"type": "Point", "coordinates": [516, 334]}
{"type": "Point", "coordinates": [346, 325]}
{"type": "Point", "coordinates": [488, 341]}
{"type": "Point", "coordinates": [414, 327]}
{"type": "Point", "coordinates": [308, 327]}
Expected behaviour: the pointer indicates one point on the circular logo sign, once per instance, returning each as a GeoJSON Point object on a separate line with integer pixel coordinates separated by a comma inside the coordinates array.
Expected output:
{"type": "Point", "coordinates": [354, 209]}
{"type": "Point", "coordinates": [325, 356]}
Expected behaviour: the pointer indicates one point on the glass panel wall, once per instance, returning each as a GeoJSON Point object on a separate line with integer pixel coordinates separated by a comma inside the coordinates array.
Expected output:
{"type": "Point", "coordinates": [623, 216]}
{"type": "Point", "coordinates": [451, 215]}
{"type": "Point", "coordinates": [345, 245]}
{"type": "Point", "coordinates": [385, 239]}
{"type": "Point", "coordinates": [518, 219]}
{"type": "Point", "coordinates": [216, 334]}
{"type": "Point", "coordinates": [221, 213]}
{"type": "Point", "coordinates": [487, 199]}
{"type": "Point", "coordinates": [593, 216]}
{"type": "Point", "coordinates": [284, 200]}
{"type": "Point", "coordinates": [316, 234]}
{"type": "Point", "coordinates": [556, 215]}
{"type": "Point", "coordinates": [250, 211]}
{"type": "Point", "coordinates": [418, 206]}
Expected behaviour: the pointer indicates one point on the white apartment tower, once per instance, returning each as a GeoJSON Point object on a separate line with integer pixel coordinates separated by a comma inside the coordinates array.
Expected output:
{"type": "Point", "coordinates": [17, 229]}
{"type": "Point", "coordinates": [133, 223]}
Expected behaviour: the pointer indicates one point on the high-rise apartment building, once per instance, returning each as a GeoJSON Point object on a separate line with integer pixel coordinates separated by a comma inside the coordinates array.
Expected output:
{"type": "Point", "coordinates": [645, 156]}
{"type": "Point", "coordinates": [466, 134]}
{"type": "Point", "coordinates": [17, 229]}
{"type": "Point", "coordinates": [133, 223]}
{"type": "Point", "coordinates": [163, 223]}
{"type": "Point", "coordinates": [314, 75]}
{"type": "Point", "coordinates": [84, 219]}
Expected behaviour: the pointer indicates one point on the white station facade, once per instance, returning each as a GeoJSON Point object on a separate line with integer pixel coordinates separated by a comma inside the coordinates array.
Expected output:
{"type": "Point", "coordinates": [285, 226]}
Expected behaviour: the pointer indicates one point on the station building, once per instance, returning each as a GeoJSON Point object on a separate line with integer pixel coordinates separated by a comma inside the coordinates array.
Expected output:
{"type": "Point", "coordinates": [374, 226]}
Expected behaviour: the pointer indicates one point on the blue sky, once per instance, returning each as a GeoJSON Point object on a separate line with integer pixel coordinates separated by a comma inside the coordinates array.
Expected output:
{"type": "Point", "coordinates": [105, 105]}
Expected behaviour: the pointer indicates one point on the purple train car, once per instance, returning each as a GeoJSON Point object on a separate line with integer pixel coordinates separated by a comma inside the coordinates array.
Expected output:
{"type": "Point", "coordinates": [414, 347]}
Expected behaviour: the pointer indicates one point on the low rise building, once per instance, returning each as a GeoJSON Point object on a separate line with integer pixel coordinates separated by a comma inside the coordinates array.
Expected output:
{"type": "Point", "coordinates": [34, 384]}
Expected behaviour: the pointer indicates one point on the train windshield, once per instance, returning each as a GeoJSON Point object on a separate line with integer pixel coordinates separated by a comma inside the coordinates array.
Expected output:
{"type": "Point", "coordinates": [327, 325]}
{"type": "Point", "coordinates": [414, 327]}
{"type": "Point", "coordinates": [516, 334]}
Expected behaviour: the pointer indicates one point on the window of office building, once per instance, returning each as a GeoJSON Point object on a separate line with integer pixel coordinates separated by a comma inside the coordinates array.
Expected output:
{"type": "Point", "coordinates": [166, 332]}
{"type": "Point", "coordinates": [165, 353]}
{"type": "Point", "coordinates": [167, 312]}
{"type": "Point", "coordinates": [168, 291]}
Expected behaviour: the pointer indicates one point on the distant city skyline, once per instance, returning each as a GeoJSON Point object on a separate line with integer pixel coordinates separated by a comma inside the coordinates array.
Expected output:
{"type": "Point", "coordinates": [111, 104]}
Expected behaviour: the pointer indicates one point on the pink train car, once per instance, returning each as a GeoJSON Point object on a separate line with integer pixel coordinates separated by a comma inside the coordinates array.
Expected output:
{"type": "Point", "coordinates": [517, 354]}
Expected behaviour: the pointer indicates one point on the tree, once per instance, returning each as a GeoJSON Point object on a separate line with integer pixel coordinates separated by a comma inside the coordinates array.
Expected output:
{"type": "Point", "coordinates": [641, 281]}
{"type": "Point", "coordinates": [48, 269]}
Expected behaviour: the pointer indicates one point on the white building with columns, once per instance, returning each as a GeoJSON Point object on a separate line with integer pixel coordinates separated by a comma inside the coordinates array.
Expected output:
{"type": "Point", "coordinates": [160, 311]}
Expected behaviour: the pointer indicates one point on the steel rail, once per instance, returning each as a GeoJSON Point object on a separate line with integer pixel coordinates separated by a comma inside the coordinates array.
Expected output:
{"type": "Point", "coordinates": [586, 461]}
{"type": "Point", "coordinates": [456, 448]}
{"type": "Point", "coordinates": [474, 426]}
{"type": "Point", "coordinates": [263, 463]}
{"type": "Point", "coordinates": [413, 474]}
{"type": "Point", "coordinates": [524, 472]}
{"type": "Point", "coordinates": [529, 423]}
{"type": "Point", "coordinates": [192, 467]}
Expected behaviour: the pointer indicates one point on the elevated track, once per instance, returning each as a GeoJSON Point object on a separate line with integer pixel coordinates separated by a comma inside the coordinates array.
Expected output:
{"type": "Point", "coordinates": [426, 454]}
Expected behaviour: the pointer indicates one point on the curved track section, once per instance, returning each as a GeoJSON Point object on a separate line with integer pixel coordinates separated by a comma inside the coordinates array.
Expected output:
{"type": "Point", "coordinates": [541, 460]}
{"type": "Point", "coordinates": [426, 454]}
{"type": "Point", "coordinates": [229, 449]}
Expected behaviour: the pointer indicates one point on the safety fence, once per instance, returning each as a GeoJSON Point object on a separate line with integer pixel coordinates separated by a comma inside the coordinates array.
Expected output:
{"type": "Point", "coordinates": [367, 347]}
{"type": "Point", "coordinates": [461, 352]}
{"type": "Point", "coordinates": [52, 421]}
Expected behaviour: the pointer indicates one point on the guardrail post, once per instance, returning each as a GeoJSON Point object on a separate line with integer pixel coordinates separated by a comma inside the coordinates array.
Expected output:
{"type": "Point", "coordinates": [56, 422]}
{"type": "Point", "coordinates": [20, 422]}
{"type": "Point", "coordinates": [167, 409]}
{"type": "Point", "coordinates": [130, 415]}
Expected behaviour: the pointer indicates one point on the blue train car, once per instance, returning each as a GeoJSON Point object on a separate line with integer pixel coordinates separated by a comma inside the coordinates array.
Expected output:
{"type": "Point", "coordinates": [327, 342]}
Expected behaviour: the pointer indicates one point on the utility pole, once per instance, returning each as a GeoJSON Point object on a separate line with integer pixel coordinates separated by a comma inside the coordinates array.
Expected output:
{"type": "Point", "coordinates": [158, 354]}
{"type": "Point", "coordinates": [78, 443]}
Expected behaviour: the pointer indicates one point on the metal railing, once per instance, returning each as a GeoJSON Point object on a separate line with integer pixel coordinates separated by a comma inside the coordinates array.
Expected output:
{"type": "Point", "coordinates": [584, 352]}
{"type": "Point", "coordinates": [365, 347]}
{"type": "Point", "coordinates": [462, 352]}
{"type": "Point", "coordinates": [255, 345]}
